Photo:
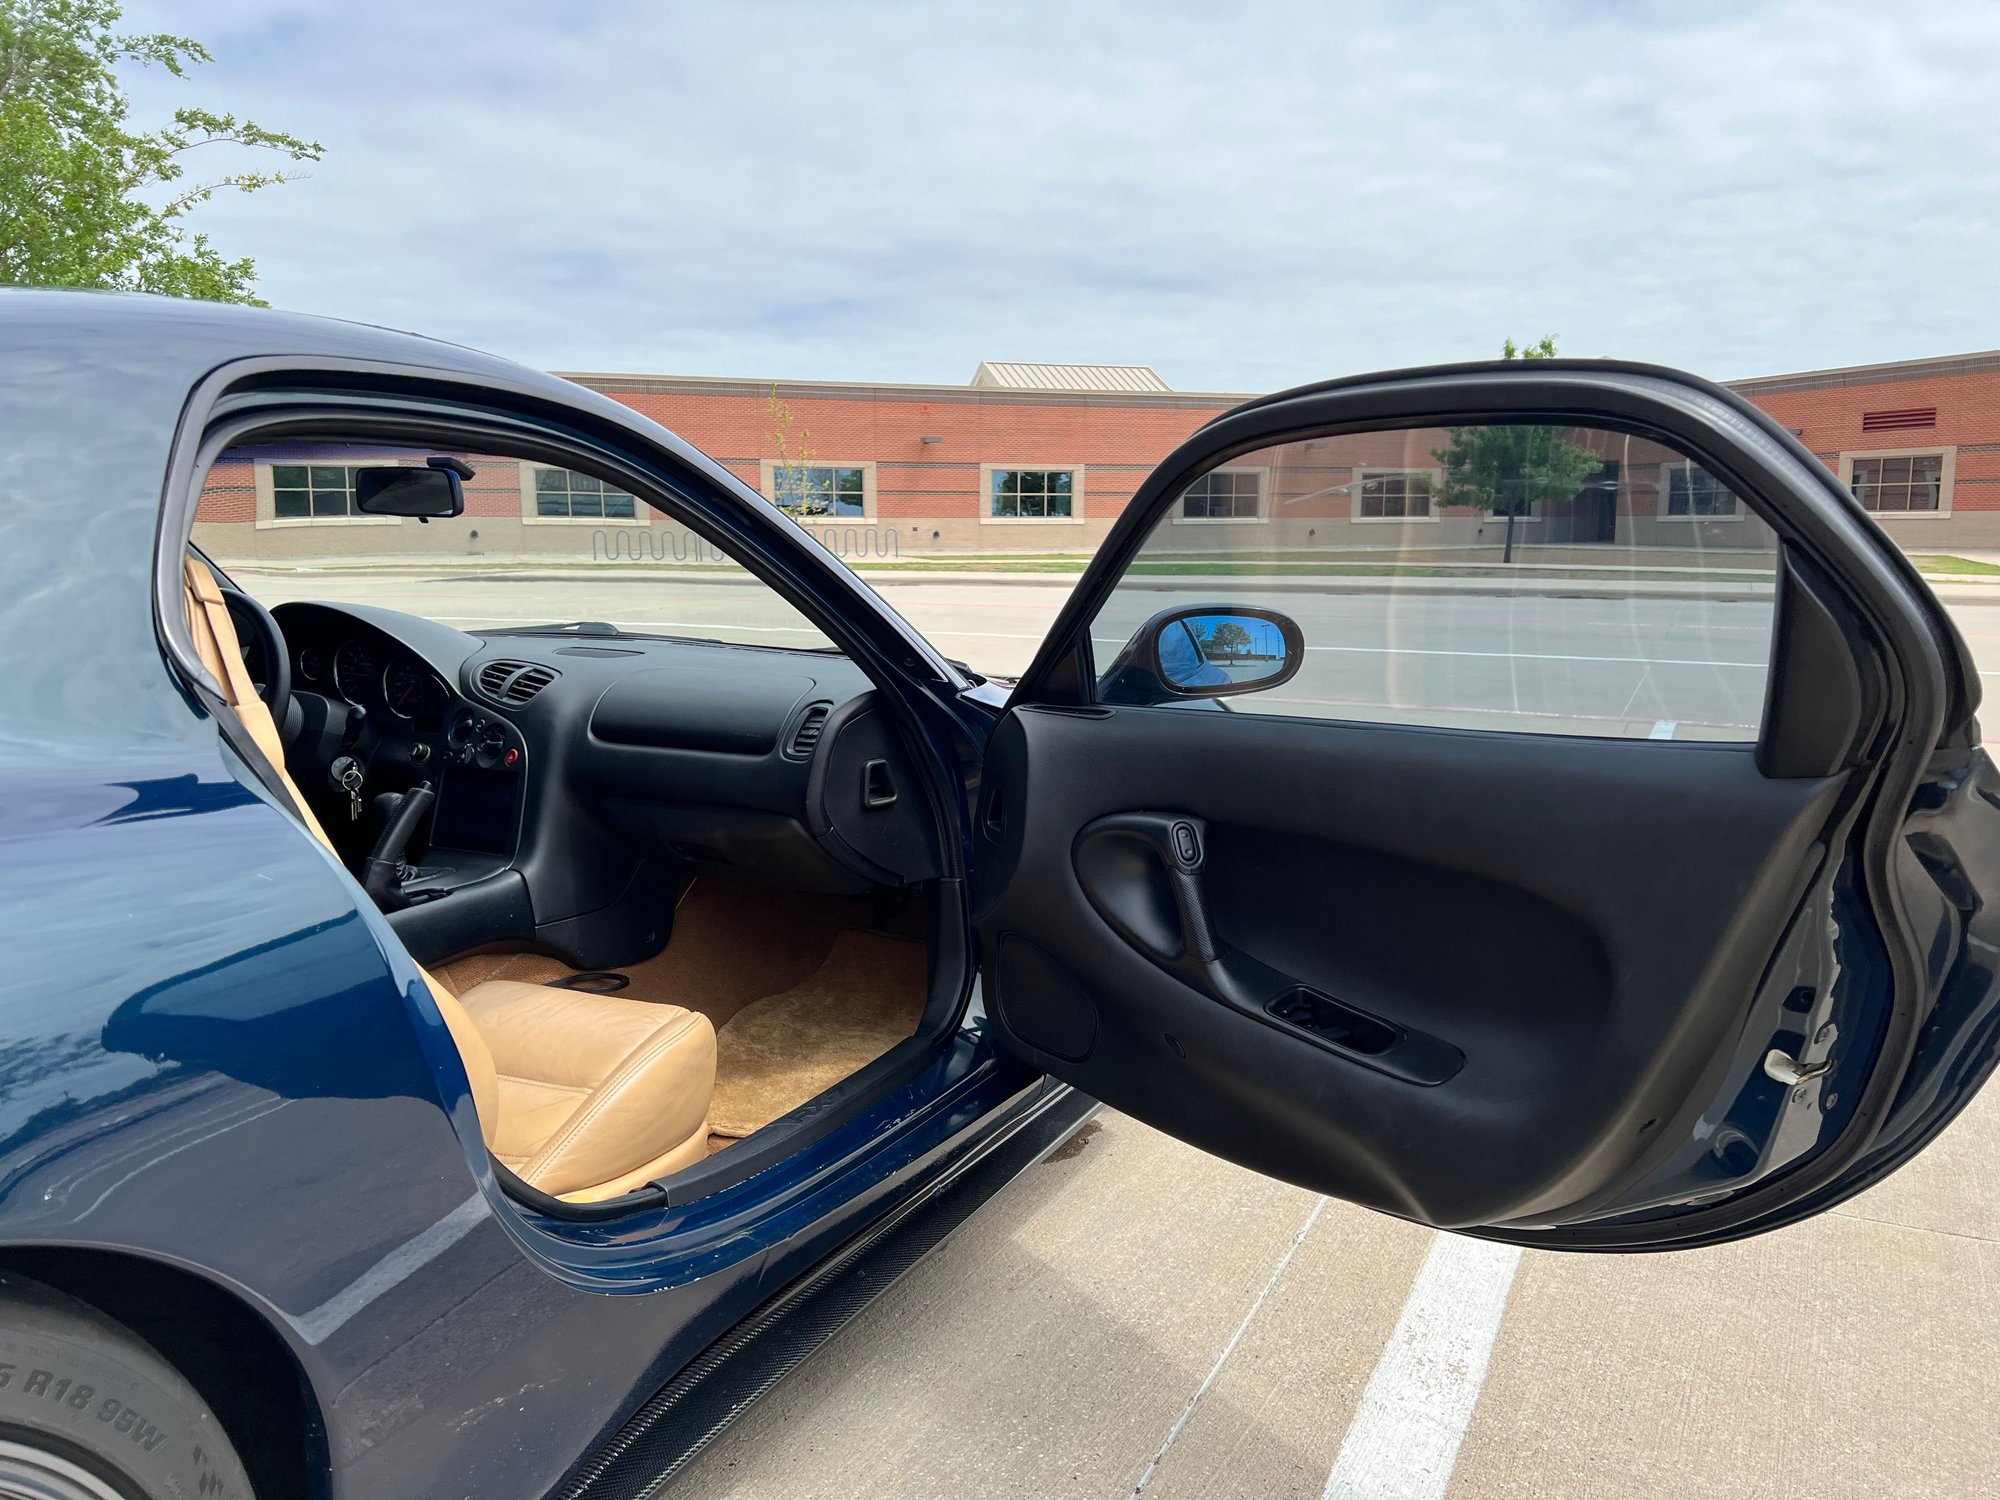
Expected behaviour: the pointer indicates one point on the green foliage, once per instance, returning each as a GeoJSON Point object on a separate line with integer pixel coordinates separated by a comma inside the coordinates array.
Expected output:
{"type": "Point", "coordinates": [1228, 639]}
{"type": "Point", "coordinates": [84, 200]}
{"type": "Point", "coordinates": [795, 454]}
{"type": "Point", "coordinates": [1505, 470]}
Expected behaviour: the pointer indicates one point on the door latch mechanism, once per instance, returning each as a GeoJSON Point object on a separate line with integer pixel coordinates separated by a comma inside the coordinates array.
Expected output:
{"type": "Point", "coordinates": [1789, 1070]}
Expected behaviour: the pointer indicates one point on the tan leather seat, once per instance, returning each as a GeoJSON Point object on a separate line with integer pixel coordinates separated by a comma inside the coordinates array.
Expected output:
{"type": "Point", "coordinates": [584, 1096]}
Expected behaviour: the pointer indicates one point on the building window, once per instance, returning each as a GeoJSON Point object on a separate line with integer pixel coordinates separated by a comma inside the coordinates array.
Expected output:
{"type": "Point", "coordinates": [306, 492]}
{"type": "Point", "coordinates": [810, 491]}
{"type": "Point", "coordinates": [1033, 494]}
{"type": "Point", "coordinates": [1693, 492]}
{"type": "Point", "coordinates": [1224, 495]}
{"type": "Point", "coordinates": [1902, 483]}
{"type": "Point", "coordinates": [1394, 495]}
{"type": "Point", "coordinates": [564, 493]}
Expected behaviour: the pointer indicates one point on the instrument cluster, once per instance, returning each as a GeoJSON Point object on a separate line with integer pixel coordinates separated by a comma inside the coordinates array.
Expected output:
{"type": "Point", "coordinates": [394, 682]}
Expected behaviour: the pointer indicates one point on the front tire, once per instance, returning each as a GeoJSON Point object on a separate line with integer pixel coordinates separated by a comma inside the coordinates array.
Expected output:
{"type": "Point", "coordinates": [90, 1411]}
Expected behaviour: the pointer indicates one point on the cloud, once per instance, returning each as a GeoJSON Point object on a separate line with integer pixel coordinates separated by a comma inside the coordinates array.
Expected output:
{"type": "Point", "coordinates": [1245, 198]}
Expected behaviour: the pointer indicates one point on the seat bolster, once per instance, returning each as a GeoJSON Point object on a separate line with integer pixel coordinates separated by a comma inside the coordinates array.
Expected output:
{"type": "Point", "coordinates": [472, 1051]}
{"type": "Point", "coordinates": [570, 1038]}
{"type": "Point", "coordinates": [641, 1076]}
{"type": "Point", "coordinates": [655, 1103]}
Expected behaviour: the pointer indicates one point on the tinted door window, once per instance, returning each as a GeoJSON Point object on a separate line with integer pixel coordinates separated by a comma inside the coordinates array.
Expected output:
{"type": "Point", "coordinates": [1537, 579]}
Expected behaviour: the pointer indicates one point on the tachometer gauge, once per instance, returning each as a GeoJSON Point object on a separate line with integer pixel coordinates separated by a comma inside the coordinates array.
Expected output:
{"type": "Point", "coordinates": [409, 690]}
{"type": "Point", "coordinates": [353, 670]}
{"type": "Point", "coordinates": [312, 664]}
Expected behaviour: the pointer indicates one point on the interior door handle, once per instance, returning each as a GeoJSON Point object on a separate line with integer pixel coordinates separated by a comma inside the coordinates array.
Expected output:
{"type": "Point", "coordinates": [1119, 888]}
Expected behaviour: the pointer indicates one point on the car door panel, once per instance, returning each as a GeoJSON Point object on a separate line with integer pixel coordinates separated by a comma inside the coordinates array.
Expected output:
{"type": "Point", "coordinates": [1581, 1026]}
{"type": "Point", "coordinates": [1565, 986]}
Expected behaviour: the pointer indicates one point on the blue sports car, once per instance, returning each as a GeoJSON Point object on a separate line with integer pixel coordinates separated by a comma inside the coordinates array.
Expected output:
{"type": "Point", "coordinates": [471, 1021]}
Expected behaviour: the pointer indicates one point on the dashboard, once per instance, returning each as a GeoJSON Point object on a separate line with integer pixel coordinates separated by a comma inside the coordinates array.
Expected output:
{"type": "Point", "coordinates": [382, 677]}
{"type": "Point", "coordinates": [582, 778]}
{"type": "Point", "coordinates": [375, 706]}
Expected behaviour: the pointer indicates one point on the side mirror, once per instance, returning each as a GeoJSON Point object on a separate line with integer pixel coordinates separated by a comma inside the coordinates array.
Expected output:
{"type": "Point", "coordinates": [436, 492]}
{"type": "Point", "coordinates": [1205, 651]}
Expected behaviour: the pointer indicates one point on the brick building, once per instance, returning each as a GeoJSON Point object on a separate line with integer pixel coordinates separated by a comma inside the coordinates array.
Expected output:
{"type": "Point", "coordinates": [1919, 440]}
{"type": "Point", "coordinates": [1044, 457]}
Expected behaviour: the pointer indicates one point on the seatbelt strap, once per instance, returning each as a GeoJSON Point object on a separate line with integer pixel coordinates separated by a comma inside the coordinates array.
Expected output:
{"type": "Point", "coordinates": [209, 614]}
{"type": "Point", "coordinates": [215, 640]}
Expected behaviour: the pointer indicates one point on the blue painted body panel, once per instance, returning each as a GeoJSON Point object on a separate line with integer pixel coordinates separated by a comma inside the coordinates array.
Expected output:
{"type": "Point", "coordinates": [214, 1054]}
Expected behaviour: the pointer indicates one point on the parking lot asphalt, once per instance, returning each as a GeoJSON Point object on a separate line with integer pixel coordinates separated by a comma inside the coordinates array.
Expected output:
{"type": "Point", "coordinates": [1132, 1317]}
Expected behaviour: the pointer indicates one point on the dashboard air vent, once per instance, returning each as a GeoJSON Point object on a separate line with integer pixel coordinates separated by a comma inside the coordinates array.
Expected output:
{"type": "Point", "coordinates": [512, 683]}
{"type": "Point", "coordinates": [806, 736]}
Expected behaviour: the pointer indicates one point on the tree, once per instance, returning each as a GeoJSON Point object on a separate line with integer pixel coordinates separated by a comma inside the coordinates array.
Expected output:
{"type": "Point", "coordinates": [1228, 639]}
{"type": "Point", "coordinates": [791, 475]}
{"type": "Point", "coordinates": [1504, 470]}
{"type": "Point", "coordinates": [85, 201]}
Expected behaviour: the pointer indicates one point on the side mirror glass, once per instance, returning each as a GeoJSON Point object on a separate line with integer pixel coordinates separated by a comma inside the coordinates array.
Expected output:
{"type": "Point", "coordinates": [428, 494]}
{"type": "Point", "coordinates": [1202, 652]}
{"type": "Point", "coordinates": [1205, 651]}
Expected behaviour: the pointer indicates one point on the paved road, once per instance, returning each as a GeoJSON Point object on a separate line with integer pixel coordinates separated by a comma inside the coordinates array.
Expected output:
{"type": "Point", "coordinates": [1134, 1318]}
{"type": "Point", "coordinates": [1538, 660]}
{"type": "Point", "coordinates": [1653, 665]}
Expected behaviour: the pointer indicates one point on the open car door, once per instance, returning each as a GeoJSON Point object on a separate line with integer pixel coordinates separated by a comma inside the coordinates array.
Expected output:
{"type": "Point", "coordinates": [1531, 798]}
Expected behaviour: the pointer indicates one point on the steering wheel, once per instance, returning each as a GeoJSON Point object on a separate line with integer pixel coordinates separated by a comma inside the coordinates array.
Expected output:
{"type": "Point", "coordinates": [264, 652]}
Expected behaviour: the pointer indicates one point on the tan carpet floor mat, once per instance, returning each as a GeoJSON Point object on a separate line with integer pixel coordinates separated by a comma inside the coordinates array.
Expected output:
{"type": "Point", "coordinates": [731, 944]}
{"type": "Point", "coordinates": [776, 1053]}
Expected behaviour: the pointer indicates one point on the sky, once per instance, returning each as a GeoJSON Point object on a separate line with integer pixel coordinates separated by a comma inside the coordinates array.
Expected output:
{"type": "Point", "coordinates": [1243, 197]}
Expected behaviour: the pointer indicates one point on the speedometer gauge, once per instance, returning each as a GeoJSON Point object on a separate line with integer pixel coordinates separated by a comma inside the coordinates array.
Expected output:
{"type": "Point", "coordinates": [353, 670]}
{"type": "Point", "coordinates": [411, 692]}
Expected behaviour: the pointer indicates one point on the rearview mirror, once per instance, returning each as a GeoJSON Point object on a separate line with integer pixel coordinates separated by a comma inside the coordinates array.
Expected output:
{"type": "Point", "coordinates": [428, 493]}
{"type": "Point", "coordinates": [1205, 651]}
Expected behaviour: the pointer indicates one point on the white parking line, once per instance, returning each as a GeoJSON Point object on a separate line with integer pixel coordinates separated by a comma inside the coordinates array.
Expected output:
{"type": "Point", "coordinates": [1403, 1441]}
